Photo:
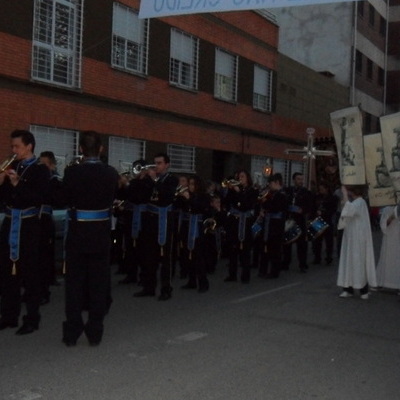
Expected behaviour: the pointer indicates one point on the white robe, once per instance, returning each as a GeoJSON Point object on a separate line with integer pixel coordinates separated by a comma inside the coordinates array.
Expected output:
{"type": "Point", "coordinates": [357, 260]}
{"type": "Point", "coordinates": [388, 268]}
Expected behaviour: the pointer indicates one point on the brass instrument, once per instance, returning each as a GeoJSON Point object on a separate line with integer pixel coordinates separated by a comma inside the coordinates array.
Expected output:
{"type": "Point", "coordinates": [180, 190]}
{"type": "Point", "coordinates": [75, 161]}
{"type": "Point", "coordinates": [209, 225]}
{"type": "Point", "coordinates": [6, 163]}
{"type": "Point", "coordinates": [137, 169]}
{"type": "Point", "coordinates": [264, 195]}
{"type": "Point", "coordinates": [232, 182]}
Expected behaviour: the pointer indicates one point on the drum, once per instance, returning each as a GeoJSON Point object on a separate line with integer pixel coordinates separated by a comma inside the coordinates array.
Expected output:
{"type": "Point", "coordinates": [292, 232]}
{"type": "Point", "coordinates": [317, 228]}
{"type": "Point", "coordinates": [256, 229]}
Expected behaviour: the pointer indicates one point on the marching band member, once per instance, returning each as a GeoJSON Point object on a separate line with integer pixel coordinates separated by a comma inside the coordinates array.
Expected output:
{"type": "Point", "coordinates": [157, 229]}
{"type": "Point", "coordinates": [88, 190]}
{"type": "Point", "coordinates": [22, 188]}
{"type": "Point", "coordinates": [194, 203]}
{"type": "Point", "coordinates": [326, 206]}
{"type": "Point", "coordinates": [299, 205]}
{"type": "Point", "coordinates": [241, 199]}
{"type": "Point", "coordinates": [273, 211]}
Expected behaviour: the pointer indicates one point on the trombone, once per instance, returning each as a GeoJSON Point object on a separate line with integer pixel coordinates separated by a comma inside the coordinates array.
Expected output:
{"type": "Point", "coordinates": [226, 182]}
{"type": "Point", "coordinates": [6, 163]}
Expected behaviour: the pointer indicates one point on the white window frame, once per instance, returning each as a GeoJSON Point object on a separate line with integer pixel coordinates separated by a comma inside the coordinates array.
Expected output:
{"type": "Point", "coordinates": [62, 142]}
{"type": "Point", "coordinates": [57, 42]}
{"type": "Point", "coordinates": [122, 152]}
{"type": "Point", "coordinates": [226, 75]}
{"type": "Point", "coordinates": [184, 56]}
{"type": "Point", "coordinates": [182, 158]}
{"type": "Point", "coordinates": [262, 88]}
{"type": "Point", "coordinates": [130, 40]}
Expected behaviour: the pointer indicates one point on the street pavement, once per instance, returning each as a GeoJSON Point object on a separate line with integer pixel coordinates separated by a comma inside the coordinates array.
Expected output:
{"type": "Point", "coordinates": [291, 338]}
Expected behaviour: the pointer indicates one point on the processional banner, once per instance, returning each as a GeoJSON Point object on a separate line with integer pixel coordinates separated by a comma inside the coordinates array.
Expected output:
{"type": "Point", "coordinates": [164, 8]}
{"type": "Point", "coordinates": [347, 129]}
{"type": "Point", "coordinates": [380, 189]}
{"type": "Point", "coordinates": [390, 126]}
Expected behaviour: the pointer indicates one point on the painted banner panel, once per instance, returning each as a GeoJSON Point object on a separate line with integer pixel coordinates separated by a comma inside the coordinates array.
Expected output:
{"type": "Point", "coordinates": [390, 126]}
{"type": "Point", "coordinates": [347, 129]}
{"type": "Point", "coordinates": [164, 8]}
{"type": "Point", "coordinates": [380, 189]}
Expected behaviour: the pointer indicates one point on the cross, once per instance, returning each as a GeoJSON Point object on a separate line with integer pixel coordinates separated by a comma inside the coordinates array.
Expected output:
{"type": "Point", "coordinates": [309, 153]}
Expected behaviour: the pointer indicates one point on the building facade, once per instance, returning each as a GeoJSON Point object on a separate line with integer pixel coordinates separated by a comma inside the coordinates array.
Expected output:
{"type": "Point", "coordinates": [357, 43]}
{"type": "Point", "coordinates": [202, 88]}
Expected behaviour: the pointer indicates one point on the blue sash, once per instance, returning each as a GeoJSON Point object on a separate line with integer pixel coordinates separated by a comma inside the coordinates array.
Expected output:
{"type": "Point", "coordinates": [89, 215]}
{"type": "Point", "coordinates": [16, 216]}
{"type": "Point", "coordinates": [162, 221]}
{"type": "Point", "coordinates": [193, 232]}
{"type": "Point", "coordinates": [45, 209]}
{"type": "Point", "coordinates": [267, 219]}
{"type": "Point", "coordinates": [137, 219]}
{"type": "Point", "coordinates": [242, 215]}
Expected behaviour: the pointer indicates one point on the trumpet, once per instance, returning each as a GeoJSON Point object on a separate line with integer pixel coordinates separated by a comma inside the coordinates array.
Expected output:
{"type": "Point", "coordinates": [226, 182]}
{"type": "Point", "coordinates": [137, 169]}
{"type": "Point", "coordinates": [209, 225]}
{"type": "Point", "coordinates": [75, 161]}
{"type": "Point", "coordinates": [264, 195]}
{"type": "Point", "coordinates": [6, 163]}
{"type": "Point", "coordinates": [181, 189]}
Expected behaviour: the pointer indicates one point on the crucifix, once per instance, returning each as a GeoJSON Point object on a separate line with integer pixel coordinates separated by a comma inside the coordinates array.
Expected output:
{"type": "Point", "coordinates": [309, 153]}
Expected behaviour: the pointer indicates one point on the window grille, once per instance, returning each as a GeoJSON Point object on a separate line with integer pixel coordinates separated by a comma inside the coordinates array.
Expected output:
{"type": "Point", "coordinates": [184, 60]}
{"type": "Point", "coordinates": [57, 42]}
{"type": "Point", "coordinates": [226, 68]}
{"type": "Point", "coordinates": [129, 40]}
{"type": "Point", "coordinates": [262, 88]}
{"type": "Point", "coordinates": [258, 164]}
{"type": "Point", "coordinates": [122, 152]}
{"type": "Point", "coordinates": [182, 158]}
{"type": "Point", "coordinates": [282, 167]}
{"type": "Point", "coordinates": [62, 142]}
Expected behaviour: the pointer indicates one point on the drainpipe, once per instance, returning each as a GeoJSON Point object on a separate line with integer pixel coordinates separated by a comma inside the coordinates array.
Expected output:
{"type": "Point", "coordinates": [353, 69]}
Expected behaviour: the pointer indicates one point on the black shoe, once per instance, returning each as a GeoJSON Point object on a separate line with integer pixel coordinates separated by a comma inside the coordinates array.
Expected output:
{"type": "Point", "coordinates": [230, 279]}
{"type": "Point", "coordinates": [127, 280]}
{"type": "Point", "coordinates": [303, 270]}
{"type": "Point", "coordinates": [7, 324]}
{"type": "Point", "coordinates": [189, 285]}
{"type": "Point", "coordinates": [329, 261]}
{"type": "Point", "coordinates": [69, 342]}
{"type": "Point", "coordinates": [94, 343]}
{"type": "Point", "coordinates": [245, 280]}
{"type": "Point", "coordinates": [144, 293]}
{"type": "Point", "coordinates": [26, 329]}
{"type": "Point", "coordinates": [166, 294]}
{"type": "Point", "coordinates": [45, 300]}
{"type": "Point", "coordinates": [317, 261]}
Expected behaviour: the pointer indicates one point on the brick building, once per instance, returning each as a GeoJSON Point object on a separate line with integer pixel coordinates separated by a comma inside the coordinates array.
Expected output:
{"type": "Point", "coordinates": [203, 88]}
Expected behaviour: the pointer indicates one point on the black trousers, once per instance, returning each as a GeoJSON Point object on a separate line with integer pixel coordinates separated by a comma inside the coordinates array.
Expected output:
{"type": "Point", "coordinates": [47, 252]}
{"type": "Point", "coordinates": [87, 285]}
{"type": "Point", "coordinates": [28, 273]}
{"type": "Point", "coordinates": [301, 247]}
{"type": "Point", "coordinates": [156, 257]}
{"type": "Point", "coordinates": [271, 258]}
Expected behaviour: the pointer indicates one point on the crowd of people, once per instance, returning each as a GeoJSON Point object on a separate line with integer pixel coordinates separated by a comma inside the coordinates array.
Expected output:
{"type": "Point", "coordinates": [165, 226]}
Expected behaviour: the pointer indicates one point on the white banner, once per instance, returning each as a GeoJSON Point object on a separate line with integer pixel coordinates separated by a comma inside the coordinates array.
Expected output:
{"type": "Point", "coordinates": [380, 188]}
{"type": "Point", "coordinates": [164, 8]}
{"type": "Point", "coordinates": [347, 129]}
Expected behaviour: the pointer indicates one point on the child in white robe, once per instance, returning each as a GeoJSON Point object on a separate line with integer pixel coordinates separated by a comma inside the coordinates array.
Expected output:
{"type": "Point", "coordinates": [357, 260]}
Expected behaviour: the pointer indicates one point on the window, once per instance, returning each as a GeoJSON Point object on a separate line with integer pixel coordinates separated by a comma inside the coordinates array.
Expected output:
{"type": "Point", "coordinates": [370, 69]}
{"type": "Point", "coordinates": [258, 164]}
{"type": "Point", "coordinates": [122, 152]}
{"type": "Point", "coordinates": [57, 39]}
{"type": "Point", "coordinates": [382, 26]}
{"type": "Point", "coordinates": [62, 142]}
{"type": "Point", "coordinates": [360, 8]}
{"type": "Point", "coordinates": [129, 40]}
{"type": "Point", "coordinates": [371, 18]}
{"type": "Point", "coordinates": [182, 158]}
{"type": "Point", "coordinates": [381, 76]}
{"type": "Point", "coordinates": [281, 166]}
{"type": "Point", "coordinates": [359, 60]}
{"type": "Point", "coordinates": [262, 89]}
{"type": "Point", "coordinates": [184, 60]}
{"type": "Point", "coordinates": [226, 66]}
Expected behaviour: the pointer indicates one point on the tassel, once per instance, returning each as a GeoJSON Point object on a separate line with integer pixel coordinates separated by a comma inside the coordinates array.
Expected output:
{"type": "Point", "coordinates": [14, 269]}
{"type": "Point", "coordinates": [190, 255]}
{"type": "Point", "coordinates": [265, 249]}
{"type": "Point", "coordinates": [134, 242]}
{"type": "Point", "coordinates": [64, 268]}
{"type": "Point", "coordinates": [241, 245]}
{"type": "Point", "coordinates": [162, 251]}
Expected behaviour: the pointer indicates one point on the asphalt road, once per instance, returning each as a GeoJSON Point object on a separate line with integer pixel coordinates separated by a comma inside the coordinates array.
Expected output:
{"type": "Point", "coordinates": [287, 339]}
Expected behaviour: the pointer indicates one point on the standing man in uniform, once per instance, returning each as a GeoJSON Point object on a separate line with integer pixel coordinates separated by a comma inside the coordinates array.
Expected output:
{"type": "Point", "coordinates": [300, 202]}
{"type": "Point", "coordinates": [157, 230]}
{"type": "Point", "coordinates": [22, 188]}
{"type": "Point", "coordinates": [88, 190]}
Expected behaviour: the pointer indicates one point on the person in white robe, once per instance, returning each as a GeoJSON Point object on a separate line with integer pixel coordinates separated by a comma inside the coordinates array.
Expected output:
{"type": "Point", "coordinates": [357, 260]}
{"type": "Point", "coordinates": [388, 267]}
